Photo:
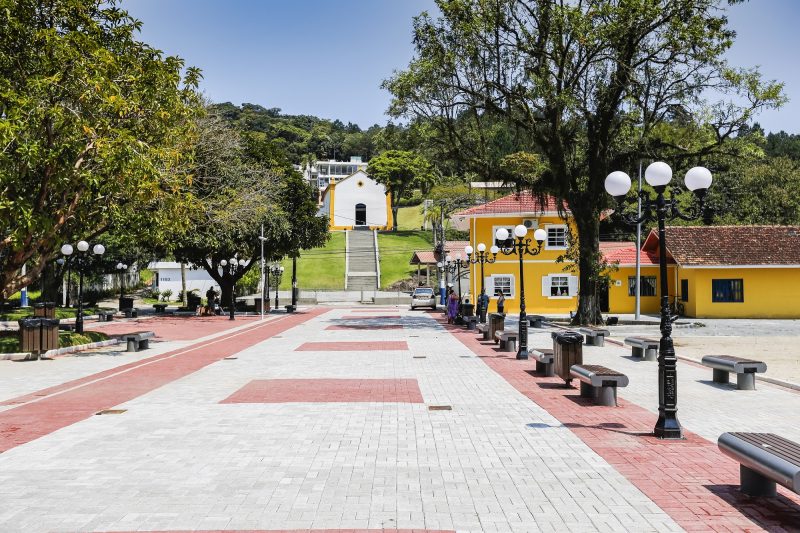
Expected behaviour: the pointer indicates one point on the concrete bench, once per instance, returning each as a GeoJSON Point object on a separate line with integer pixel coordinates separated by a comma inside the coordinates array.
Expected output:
{"type": "Point", "coordinates": [507, 340]}
{"type": "Point", "coordinates": [594, 336]}
{"type": "Point", "coordinates": [160, 308]}
{"type": "Point", "coordinates": [131, 312]}
{"type": "Point", "coordinates": [536, 321]}
{"type": "Point", "coordinates": [643, 347]}
{"type": "Point", "coordinates": [483, 329]}
{"type": "Point", "coordinates": [544, 361]}
{"type": "Point", "coordinates": [139, 340]}
{"type": "Point", "coordinates": [764, 459]}
{"type": "Point", "coordinates": [745, 370]}
{"type": "Point", "coordinates": [470, 322]}
{"type": "Point", "coordinates": [105, 316]}
{"type": "Point", "coordinates": [599, 383]}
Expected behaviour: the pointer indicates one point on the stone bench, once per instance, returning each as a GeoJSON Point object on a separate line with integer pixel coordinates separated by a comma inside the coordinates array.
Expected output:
{"type": "Point", "coordinates": [131, 312]}
{"type": "Point", "coordinates": [483, 329]}
{"type": "Point", "coordinates": [764, 459]}
{"type": "Point", "coordinates": [599, 383]}
{"type": "Point", "coordinates": [470, 322]}
{"type": "Point", "coordinates": [536, 321]}
{"type": "Point", "coordinates": [160, 308]}
{"type": "Point", "coordinates": [507, 340]}
{"type": "Point", "coordinates": [544, 361]}
{"type": "Point", "coordinates": [745, 370]}
{"type": "Point", "coordinates": [139, 340]}
{"type": "Point", "coordinates": [105, 316]}
{"type": "Point", "coordinates": [643, 347]}
{"type": "Point", "coordinates": [594, 336]}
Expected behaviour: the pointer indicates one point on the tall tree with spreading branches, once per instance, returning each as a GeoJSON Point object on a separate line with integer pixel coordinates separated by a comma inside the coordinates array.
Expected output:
{"type": "Point", "coordinates": [589, 82]}
{"type": "Point", "coordinates": [95, 130]}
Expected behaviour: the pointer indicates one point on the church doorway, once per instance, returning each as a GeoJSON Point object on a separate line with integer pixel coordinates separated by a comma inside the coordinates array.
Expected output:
{"type": "Point", "coordinates": [361, 215]}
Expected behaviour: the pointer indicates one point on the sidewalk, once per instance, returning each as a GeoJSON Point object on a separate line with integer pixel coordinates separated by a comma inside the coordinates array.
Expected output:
{"type": "Point", "coordinates": [338, 419]}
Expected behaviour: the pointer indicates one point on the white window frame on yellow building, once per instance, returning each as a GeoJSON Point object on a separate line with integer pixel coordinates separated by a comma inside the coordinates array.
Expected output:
{"type": "Point", "coordinates": [547, 286]}
{"type": "Point", "coordinates": [548, 227]}
{"type": "Point", "coordinates": [490, 285]}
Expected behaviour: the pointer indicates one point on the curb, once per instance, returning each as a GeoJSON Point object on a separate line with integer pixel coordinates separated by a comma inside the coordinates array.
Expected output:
{"type": "Point", "coordinates": [24, 356]}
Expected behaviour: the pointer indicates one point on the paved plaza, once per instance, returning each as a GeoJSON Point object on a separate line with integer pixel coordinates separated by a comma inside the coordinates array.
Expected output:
{"type": "Point", "coordinates": [365, 418]}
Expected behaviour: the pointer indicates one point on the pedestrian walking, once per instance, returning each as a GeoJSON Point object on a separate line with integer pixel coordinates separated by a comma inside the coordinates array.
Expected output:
{"type": "Point", "coordinates": [452, 307]}
{"type": "Point", "coordinates": [501, 302]}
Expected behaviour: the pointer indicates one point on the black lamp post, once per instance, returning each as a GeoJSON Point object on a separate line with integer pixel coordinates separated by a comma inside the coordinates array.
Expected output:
{"type": "Point", "coordinates": [83, 260]}
{"type": "Point", "coordinates": [277, 271]}
{"type": "Point", "coordinates": [446, 267]}
{"type": "Point", "coordinates": [121, 268]}
{"type": "Point", "coordinates": [521, 247]}
{"type": "Point", "coordinates": [234, 267]}
{"type": "Point", "coordinates": [481, 259]}
{"type": "Point", "coordinates": [658, 175]}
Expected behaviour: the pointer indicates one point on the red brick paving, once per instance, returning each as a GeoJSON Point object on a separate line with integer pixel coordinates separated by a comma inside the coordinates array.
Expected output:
{"type": "Point", "coordinates": [69, 403]}
{"type": "Point", "coordinates": [301, 531]}
{"type": "Point", "coordinates": [363, 326]}
{"type": "Point", "coordinates": [352, 346]}
{"type": "Point", "coordinates": [327, 390]}
{"type": "Point", "coordinates": [174, 328]}
{"type": "Point", "coordinates": [691, 480]}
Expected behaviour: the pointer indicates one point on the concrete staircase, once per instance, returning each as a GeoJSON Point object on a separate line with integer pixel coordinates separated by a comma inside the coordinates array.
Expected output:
{"type": "Point", "coordinates": [362, 271]}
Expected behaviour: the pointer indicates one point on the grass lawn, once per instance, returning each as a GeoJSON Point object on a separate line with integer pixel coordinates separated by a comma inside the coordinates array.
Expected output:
{"type": "Point", "coordinates": [321, 268]}
{"type": "Point", "coordinates": [409, 218]}
{"type": "Point", "coordinates": [9, 341]}
{"type": "Point", "coordinates": [61, 312]}
{"type": "Point", "coordinates": [395, 252]}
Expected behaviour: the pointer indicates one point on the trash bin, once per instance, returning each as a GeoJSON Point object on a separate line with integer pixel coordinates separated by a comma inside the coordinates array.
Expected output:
{"type": "Point", "coordinates": [125, 302]}
{"type": "Point", "coordinates": [49, 334]}
{"type": "Point", "coordinates": [44, 310]}
{"type": "Point", "coordinates": [497, 321]}
{"type": "Point", "coordinates": [193, 301]}
{"type": "Point", "coordinates": [567, 351]}
{"type": "Point", "coordinates": [468, 309]}
{"type": "Point", "coordinates": [29, 333]}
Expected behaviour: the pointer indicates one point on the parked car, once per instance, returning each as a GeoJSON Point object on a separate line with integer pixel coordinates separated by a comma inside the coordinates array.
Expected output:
{"type": "Point", "coordinates": [423, 297]}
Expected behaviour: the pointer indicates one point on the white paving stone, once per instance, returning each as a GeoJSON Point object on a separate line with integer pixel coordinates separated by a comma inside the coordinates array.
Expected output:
{"type": "Point", "coordinates": [178, 459]}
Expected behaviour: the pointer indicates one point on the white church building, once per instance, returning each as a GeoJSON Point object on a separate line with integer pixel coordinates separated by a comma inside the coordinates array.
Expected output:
{"type": "Point", "coordinates": [357, 201]}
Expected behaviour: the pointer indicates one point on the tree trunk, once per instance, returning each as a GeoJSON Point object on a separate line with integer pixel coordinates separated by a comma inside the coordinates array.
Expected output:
{"type": "Point", "coordinates": [184, 298]}
{"type": "Point", "coordinates": [226, 289]}
{"type": "Point", "coordinates": [588, 224]}
{"type": "Point", "coordinates": [394, 217]}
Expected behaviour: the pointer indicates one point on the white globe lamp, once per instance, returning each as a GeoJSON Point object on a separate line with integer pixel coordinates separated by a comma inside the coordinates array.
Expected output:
{"type": "Point", "coordinates": [698, 179]}
{"type": "Point", "coordinates": [618, 183]}
{"type": "Point", "coordinates": [658, 174]}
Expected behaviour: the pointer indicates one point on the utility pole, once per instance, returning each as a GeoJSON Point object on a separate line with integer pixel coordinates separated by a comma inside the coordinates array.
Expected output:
{"type": "Point", "coordinates": [637, 309]}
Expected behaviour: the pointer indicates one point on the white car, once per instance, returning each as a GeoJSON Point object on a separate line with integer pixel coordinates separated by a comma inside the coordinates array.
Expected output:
{"type": "Point", "coordinates": [423, 297]}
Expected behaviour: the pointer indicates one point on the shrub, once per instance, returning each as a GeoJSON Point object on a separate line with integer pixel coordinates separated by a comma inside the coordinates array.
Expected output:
{"type": "Point", "coordinates": [165, 295]}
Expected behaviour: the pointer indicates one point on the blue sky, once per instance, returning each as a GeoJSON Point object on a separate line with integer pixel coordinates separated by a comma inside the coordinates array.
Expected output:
{"type": "Point", "coordinates": [328, 57]}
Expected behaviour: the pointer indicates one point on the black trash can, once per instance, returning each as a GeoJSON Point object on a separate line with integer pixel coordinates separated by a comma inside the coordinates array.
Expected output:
{"type": "Point", "coordinates": [125, 302]}
{"type": "Point", "coordinates": [193, 301]}
{"type": "Point", "coordinates": [468, 309]}
{"type": "Point", "coordinates": [567, 351]}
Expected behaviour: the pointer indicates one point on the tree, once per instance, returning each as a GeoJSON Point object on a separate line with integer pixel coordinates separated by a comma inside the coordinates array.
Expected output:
{"type": "Point", "coordinates": [589, 83]}
{"type": "Point", "coordinates": [234, 192]}
{"type": "Point", "coordinates": [94, 128]}
{"type": "Point", "coordinates": [400, 172]}
{"type": "Point", "coordinates": [297, 199]}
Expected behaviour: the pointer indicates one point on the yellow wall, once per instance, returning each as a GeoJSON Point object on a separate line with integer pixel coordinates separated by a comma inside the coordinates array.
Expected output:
{"type": "Point", "coordinates": [768, 293]}
{"type": "Point", "coordinates": [620, 302]}
{"type": "Point", "coordinates": [535, 267]}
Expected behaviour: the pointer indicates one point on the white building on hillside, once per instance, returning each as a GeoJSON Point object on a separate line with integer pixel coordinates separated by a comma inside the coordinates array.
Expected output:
{"type": "Point", "coordinates": [357, 201]}
{"type": "Point", "coordinates": [323, 173]}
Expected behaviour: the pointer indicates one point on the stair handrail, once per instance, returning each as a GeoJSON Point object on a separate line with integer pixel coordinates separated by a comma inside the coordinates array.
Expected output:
{"type": "Point", "coordinates": [346, 257]}
{"type": "Point", "coordinates": [377, 259]}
